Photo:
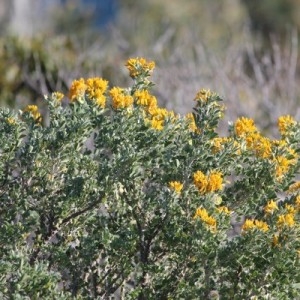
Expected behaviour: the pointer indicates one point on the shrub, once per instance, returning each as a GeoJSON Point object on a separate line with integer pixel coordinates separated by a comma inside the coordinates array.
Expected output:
{"type": "Point", "coordinates": [113, 195]}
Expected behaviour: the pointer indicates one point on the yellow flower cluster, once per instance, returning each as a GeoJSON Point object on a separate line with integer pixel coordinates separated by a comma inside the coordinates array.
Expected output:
{"type": "Point", "coordinates": [295, 187]}
{"type": "Point", "coordinates": [58, 96]}
{"type": "Point", "coordinates": [244, 126]}
{"type": "Point", "coordinates": [119, 98]}
{"type": "Point", "coordinates": [297, 203]}
{"type": "Point", "coordinates": [145, 99]}
{"type": "Point", "coordinates": [275, 240]}
{"type": "Point", "coordinates": [281, 146]}
{"type": "Point", "coordinates": [282, 166]}
{"type": "Point", "coordinates": [284, 157]}
{"type": "Point", "coordinates": [34, 111]}
{"type": "Point", "coordinates": [210, 183]}
{"type": "Point", "coordinates": [277, 151]}
{"type": "Point", "coordinates": [138, 66]}
{"type": "Point", "coordinates": [261, 145]}
{"type": "Point", "coordinates": [218, 143]}
{"type": "Point", "coordinates": [270, 207]}
{"type": "Point", "coordinates": [158, 116]}
{"type": "Point", "coordinates": [154, 115]}
{"type": "Point", "coordinates": [10, 121]}
{"type": "Point", "coordinates": [200, 181]}
{"type": "Point", "coordinates": [176, 186]}
{"type": "Point", "coordinates": [279, 240]}
{"type": "Point", "coordinates": [191, 121]}
{"type": "Point", "coordinates": [223, 209]}
{"type": "Point", "coordinates": [77, 89]}
{"type": "Point", "coordinates": [290, 209]}
{"type": "Point", "coordinates": [215, 181]}
{"type": "Point", "coordinates": [255, 224]}
{"type": "Point", "coordinates": [93, 88]}
{"type": "Point", "coordinates": [203, 95]}
{"type": "Point", "coordinates": [206, 218]}
{"type": "Point", "coordinates": [285, 123]}
{"type": "Point", "coordinates": [286, 220]}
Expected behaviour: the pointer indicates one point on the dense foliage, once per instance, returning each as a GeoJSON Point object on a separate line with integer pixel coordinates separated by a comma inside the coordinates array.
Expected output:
{"type": "Point", "coordinates": [112, 195]}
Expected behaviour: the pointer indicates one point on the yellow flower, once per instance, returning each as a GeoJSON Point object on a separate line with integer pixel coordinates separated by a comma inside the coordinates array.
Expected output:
{"type": "Point", "coordinates": [223, 209]}
{"type": "Point", "coordinates": [208, 184]}
{"type": "Point", "coordinates": [200, 181]}
{"type": "Point", "coordinates": [244, 126]}
{"type": "Point", "coordinates": [237, 147]}
{"type": "Point", "coordinates": [138, 66]}
{"type": "Point", "coordinates": [297, 202]}
{"type": "Point", "coordinates": [251, 138]}
{"type": "Point", "coordinates": [191, 121]}
{"type": "Point", "coordinates": [157, 124]}
{"type": "Point", "coordinates": [203, 215]}
{"type": "Point", "coordinates": [292, 153]}
{"type": "Point", "coordinates": [77, 90]}
{"type": "Point", "coordinates": [275, 240]}
{"type": "Point", "coordinates": [96, 84]}
{"type": "Point", "coordinates": [285, 123]}
{"type": "Point", "coordinates": [144, 98]}
{"type": "Point", "coordinates": [33, 110]}
{"type": "Point", "coordinates": [279, 143]}
{"type": "Point", "coordinates": [255, 224]}
{"type": "Point", "coordinates": [176, 185]}
{"type": "Point", "coordinates": [294, 187]}
{"type": "Point", "coordinates": [215, 181]}
{"type": "Point", "coordinates": [270, 207]}
{"type": "Point", "coordinates": [218, 143]}
{"type": "Point", "coordinates": [158, 113]}
{"type": "Point", "coordinates": [211, 221]}
{"type": "Point", "coordinates": [286, 220]}
{"type": "Point", "coordinates": [11, 121]}
{"type": "Point", "coordinates": [100, 100]}
{"type": "Point", "coordinates": [158, 116]}
{"type": "Point", "coordinates": [172, 116]}
{"type": "Point", "coordinates": [119, 98]}
{"type": "Point", "coordinates": [282, 147]}
{"type": "Point", "coordinates": [290, 209]}
{"type": "Point", "coordinates": [203, 95]}
{"type": "Point", "coordinates": [261, 225]}
{"type": "Point", "coordinates": [58, 96]}
{"type": "Point", "coordinates": [282, 166]}
{"type": "Point", "coordinates": [95, 89]}
{"type": "Point", "coordinates": [262, 146]}
{"type": "Point", "coordinates": [248, 224]}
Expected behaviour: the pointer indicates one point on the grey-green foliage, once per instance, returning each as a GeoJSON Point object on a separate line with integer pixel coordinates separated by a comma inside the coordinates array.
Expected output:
{"type": "Point", "coordinates": [87, 210]}
{"type": "Point", "coordinates": [22, 280]}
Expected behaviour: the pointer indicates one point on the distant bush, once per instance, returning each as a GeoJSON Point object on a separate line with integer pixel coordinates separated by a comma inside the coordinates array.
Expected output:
{"type": "Point", "coordinates": [114, 195]}
{"type": "Point", "coordinates": [273, 16]}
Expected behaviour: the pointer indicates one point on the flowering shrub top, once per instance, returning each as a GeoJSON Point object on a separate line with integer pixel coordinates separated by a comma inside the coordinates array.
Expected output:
{"type": "Point", "coordinates": [113, 195]}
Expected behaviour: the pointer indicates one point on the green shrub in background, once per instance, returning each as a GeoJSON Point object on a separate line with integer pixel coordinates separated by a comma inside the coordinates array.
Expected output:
{"type": "Point", "coordinates": [273, 17]}
{"type": "Point", "coordinates": [29, 70]}
{"type": "Point", "coordinates": [115, 196]}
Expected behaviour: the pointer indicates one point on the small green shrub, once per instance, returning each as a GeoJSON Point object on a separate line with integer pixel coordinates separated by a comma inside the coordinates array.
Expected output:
{"type": "Point", "coordinates": [113, 195]}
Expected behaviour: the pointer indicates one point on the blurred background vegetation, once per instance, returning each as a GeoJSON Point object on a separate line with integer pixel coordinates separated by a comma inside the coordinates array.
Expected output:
{"type": "Point", "coordinates": [245, 50]}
